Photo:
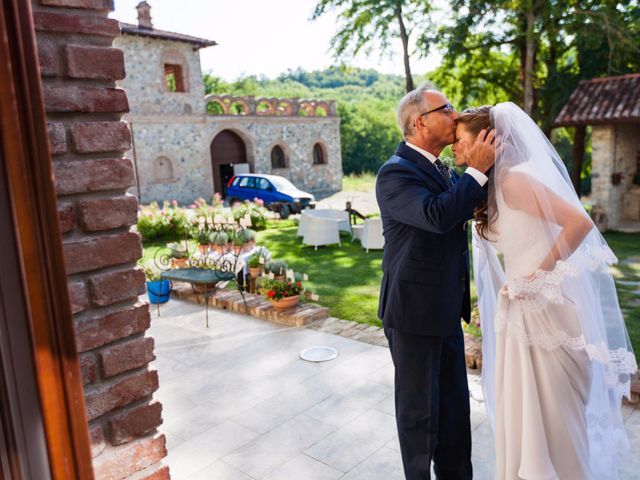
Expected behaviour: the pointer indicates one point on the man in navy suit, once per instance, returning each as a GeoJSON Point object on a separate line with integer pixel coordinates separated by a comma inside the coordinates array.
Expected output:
{"type": "Point", "coordinates": [425, 284]}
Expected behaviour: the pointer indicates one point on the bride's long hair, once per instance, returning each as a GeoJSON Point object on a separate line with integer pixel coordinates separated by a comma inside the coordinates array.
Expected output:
{"type": "Point", "coordinates": [474, 120]}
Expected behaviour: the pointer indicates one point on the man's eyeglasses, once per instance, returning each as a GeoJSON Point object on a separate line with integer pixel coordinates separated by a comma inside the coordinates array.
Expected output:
{"type": "Point", "coordinates": [447, 107]}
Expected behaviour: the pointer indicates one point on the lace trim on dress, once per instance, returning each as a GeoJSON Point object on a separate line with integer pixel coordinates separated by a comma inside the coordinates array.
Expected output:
{"type": "Point", "coordinates": [546, 284]}
{"type": "Point", "coordinates": [620, 364]}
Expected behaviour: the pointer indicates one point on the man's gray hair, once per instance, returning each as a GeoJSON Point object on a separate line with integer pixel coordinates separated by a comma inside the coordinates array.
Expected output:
{"type": "Point", "coordinates": [412, 105]}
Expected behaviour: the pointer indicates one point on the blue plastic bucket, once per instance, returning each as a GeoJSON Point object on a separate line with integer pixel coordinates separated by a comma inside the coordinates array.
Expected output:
{"type": "Point", "coordinates": [159, 291]}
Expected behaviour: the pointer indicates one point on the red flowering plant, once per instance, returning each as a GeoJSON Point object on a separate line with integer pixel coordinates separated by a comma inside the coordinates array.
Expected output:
{"type": "Point", "coordinates": [279, 289]}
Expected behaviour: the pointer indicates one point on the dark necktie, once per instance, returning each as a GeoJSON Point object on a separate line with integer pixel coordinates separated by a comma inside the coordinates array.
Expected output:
{"type": "Point", "coordinates": [444, 172]}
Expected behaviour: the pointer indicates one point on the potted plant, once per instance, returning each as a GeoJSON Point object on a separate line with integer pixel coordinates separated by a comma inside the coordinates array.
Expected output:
{"type": "Point", "coordinates": [281, 294]}
{"type": "Point", "coordinates": [158, 289]}
{"type": "Point", "coordinates": [179, 254]}
{"type": "Point", "coordinates": [219, 240]}
{"type": "Point", "coordinates": [249, 239]}
{"type": "Point", "coordinates": [201, 235]}
{"type": "Point", "coordinates": [278, 268]}
{"type": "Point", "coordinates": [256, 264]}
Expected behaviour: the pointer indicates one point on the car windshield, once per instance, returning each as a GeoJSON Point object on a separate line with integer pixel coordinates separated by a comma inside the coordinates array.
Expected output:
{"type": "Point", "coordinates": [282, 183]}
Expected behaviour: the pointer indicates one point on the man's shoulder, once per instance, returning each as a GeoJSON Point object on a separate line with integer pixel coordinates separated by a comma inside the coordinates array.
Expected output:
{"type": "Point", "coordinates": [396, 162]}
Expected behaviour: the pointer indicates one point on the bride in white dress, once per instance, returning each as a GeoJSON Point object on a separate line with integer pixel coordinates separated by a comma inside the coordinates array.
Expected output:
{"type": "Point", "coordinates": [556, 354]}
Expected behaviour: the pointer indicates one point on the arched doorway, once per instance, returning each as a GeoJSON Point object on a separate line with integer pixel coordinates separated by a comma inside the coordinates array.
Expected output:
{"type": "Point", "coordinates": [227, 150]}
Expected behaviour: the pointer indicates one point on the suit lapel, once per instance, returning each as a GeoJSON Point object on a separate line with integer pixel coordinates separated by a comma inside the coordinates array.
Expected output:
{"type": "Point", "coordinates": [421, 162]}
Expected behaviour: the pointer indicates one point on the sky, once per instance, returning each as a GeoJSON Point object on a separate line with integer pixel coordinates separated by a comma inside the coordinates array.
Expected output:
{"type": "Point", "coordinates": [261, 37]}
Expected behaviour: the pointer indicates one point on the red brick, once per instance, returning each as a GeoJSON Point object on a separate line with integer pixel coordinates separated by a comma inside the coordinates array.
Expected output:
{"type": "Point", "coordinates": [126, 356]}
{"type": "Point", "coordinates": [66, 217]}
{"type": "Point", "coordinates": [57, 138]}
{"type": "Point", "coordinates": [92, 253]}
{"type": "Point", "coordinates": [100, 63]}
{"type": "Point", "coordinates": [73, 98]}
{"type": "Point", "coordinates": [122, 393]}
{"type": "Point", "coordinates": [96, 137]}
{"type": "Point", "coordinates": [135, 423]}
{"type": "Point", "coordinates": [77, 296]}
{"type": "Point", "coordinates": [107, 213]}
{"type": "Point", "coordinates": [113, 287]}
{"type": "Point", "coordinates": [88, 368]}
{"type": "Point", "coordinates": [162, 473]}
{"type": "Point", "coordinates": [101, 330]}
{"type": "Point", "coordinates": [125, 460]}
{"type": "Point", "coordinates": [72, 23]}
{"type": "Point", "coordinates": [97, 440]}
{"type": "Point", "coordinates": [48, 58]}
{"type": "Point", "coordinates": [81, 176]}
{"type": "Point", "coordinates": [86, 4]}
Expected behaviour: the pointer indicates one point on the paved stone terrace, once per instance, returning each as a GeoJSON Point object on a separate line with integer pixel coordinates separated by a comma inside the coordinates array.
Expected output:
{"type": "Point", "coordinates": [239, 404]}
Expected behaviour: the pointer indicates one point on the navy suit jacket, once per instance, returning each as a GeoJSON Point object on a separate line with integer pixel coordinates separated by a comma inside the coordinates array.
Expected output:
{"type": "Point", "coordinates": [425, 265]}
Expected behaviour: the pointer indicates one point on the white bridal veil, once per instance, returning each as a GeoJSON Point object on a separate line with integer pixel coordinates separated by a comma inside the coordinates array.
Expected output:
{"type": "Point", "coordinates": [529, 174]}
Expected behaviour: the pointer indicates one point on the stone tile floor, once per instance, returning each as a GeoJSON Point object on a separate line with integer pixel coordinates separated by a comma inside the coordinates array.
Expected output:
{"type": "Point", "coordinates": [239, 404]}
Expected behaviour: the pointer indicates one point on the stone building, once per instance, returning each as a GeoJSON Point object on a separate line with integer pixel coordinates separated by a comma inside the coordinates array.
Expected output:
{"type": "Point", "coordinates": [187, 146]}
{"type": "Point", "coordinates": [611, 106]}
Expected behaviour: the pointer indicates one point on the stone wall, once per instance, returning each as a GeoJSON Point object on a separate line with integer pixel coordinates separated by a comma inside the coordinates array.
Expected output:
{"type": "Point", "coordinates": [88, 138]}
{"type": "Point", "coordinates": [145, 82]}
{"type": "Point", "coordinates": [187, 147]}
{"type": "Point", "coordinates": [615, 150]}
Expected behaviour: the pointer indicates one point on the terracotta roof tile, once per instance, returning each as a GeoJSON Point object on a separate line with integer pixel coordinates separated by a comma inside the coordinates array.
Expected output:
{"type": "Point", "coordinates": [130, 29]}
{"type": "Point", "coordinates": [601, 101]}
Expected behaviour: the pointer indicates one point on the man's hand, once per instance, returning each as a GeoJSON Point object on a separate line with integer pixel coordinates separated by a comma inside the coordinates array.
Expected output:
{"type": "Point", "coordinates": [482, 154]}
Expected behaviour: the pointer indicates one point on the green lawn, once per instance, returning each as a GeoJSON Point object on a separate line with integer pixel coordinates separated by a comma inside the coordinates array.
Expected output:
{"type": "Point", "coordinates": [365, 182]}
{"type": "Point", "coordinates": [348, 279]}
{"type": "Point", "coordinates": [626, 246]}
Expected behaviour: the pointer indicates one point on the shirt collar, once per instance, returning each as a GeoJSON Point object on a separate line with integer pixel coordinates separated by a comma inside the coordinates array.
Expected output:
{"type": "Point", "coordinates": [430, 156]}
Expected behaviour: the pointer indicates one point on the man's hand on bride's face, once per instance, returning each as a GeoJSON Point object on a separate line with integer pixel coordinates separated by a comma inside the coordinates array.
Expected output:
{"type": "Point", "coordinates": [482, 154]}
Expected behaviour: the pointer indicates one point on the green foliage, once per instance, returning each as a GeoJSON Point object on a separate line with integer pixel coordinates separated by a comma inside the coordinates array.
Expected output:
{"type": "Point", "coordinates": [369, 135]}
{"type": "Point", "coordinates": [168, 223]}
{"type": "Point", "coordinates": [151, 271]}
{"type": "Point", "coordinates": [255, 210]}
{"type": "Point", "coordinates": [277, 267]}
{"type": "Point", "coordinates": [178, 249]}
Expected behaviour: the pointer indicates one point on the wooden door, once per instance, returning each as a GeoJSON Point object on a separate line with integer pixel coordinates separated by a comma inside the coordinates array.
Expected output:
{"type": "Point", "coordinates": [227, 148]}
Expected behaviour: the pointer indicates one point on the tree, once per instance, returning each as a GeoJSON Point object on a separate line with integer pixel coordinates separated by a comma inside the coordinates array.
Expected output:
{"type": "Point", "coordinates": [370, 22]}
{"type": "Point", "coordinates": [547, 45]}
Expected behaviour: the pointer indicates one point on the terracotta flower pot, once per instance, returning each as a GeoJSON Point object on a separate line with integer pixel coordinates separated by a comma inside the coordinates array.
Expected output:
{"type": "Point", "coordinates": [281, 278]}
{"type": "Point", "coordinates": [285, 303]}
{"type": "Point", "coordinates": [179, 262]}
{"type": "Point", "coordinates": [255, 271]}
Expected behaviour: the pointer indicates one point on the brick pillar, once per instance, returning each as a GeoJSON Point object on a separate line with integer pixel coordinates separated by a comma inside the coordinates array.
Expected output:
{"type": "Point", "coordinates": [88, 138]}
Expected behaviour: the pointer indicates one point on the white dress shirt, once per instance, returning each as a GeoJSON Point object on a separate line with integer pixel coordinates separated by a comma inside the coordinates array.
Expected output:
{"type": "Point", "coordinates": [479, 177]}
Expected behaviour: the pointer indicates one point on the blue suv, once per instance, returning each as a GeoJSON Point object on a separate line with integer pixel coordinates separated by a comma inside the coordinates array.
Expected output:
{"type": "Point", "coordinates": [277, 193]}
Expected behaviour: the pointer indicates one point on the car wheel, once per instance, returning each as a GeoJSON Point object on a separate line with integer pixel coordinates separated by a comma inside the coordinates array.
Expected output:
{"type": "Point", "coordinates": [284, 211]}
{"type": "Point", "coordinates": [234, 201]}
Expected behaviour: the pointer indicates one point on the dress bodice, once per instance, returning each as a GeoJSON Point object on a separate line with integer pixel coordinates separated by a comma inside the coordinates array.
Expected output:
{"type": "Point", "coordinates": [523, 240]}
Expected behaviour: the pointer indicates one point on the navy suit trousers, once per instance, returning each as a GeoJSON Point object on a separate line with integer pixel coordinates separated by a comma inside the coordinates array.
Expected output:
{"type": "Point", "coordinates": [432, 404]}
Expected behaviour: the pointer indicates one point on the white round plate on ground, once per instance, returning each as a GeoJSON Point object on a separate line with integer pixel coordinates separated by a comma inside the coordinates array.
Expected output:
{"type": "Point", "coordinates": [318, 354]}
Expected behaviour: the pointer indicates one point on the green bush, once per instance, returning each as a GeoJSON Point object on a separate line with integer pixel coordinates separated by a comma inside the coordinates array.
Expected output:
{"type": "Point", "coordinates": [166, 223]}
{"type": "Point", "coordinates": [255, 210]}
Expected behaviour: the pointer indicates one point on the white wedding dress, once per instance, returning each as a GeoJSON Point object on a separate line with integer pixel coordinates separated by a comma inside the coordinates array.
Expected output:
{"type": "Point", "coordinates": [557, 358]}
